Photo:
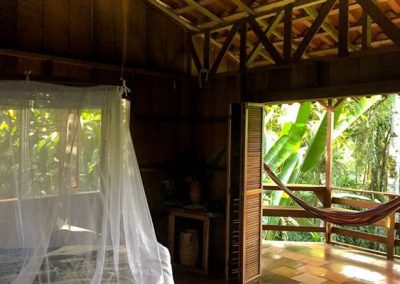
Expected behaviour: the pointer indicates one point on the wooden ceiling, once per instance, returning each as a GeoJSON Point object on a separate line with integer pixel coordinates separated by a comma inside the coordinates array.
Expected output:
{"type": "Point", "coordinates": [365, 23]}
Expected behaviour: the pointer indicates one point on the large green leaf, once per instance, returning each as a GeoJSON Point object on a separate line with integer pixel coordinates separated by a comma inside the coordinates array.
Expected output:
{"type": "Point", "coordinates": [291, 144]}
{"type": "Point", "coordinates": [276, 148]}
{"type": "Point", "coordinates": [317, 146]}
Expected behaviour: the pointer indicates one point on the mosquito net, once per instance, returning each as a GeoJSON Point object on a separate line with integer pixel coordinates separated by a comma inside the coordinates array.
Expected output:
{"type": "Point", "coordinates": [72, 202]}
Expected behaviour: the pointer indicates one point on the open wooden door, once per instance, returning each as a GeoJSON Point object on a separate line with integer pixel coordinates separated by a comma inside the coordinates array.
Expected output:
{"type": "Point", "coordinates": [244, 198]}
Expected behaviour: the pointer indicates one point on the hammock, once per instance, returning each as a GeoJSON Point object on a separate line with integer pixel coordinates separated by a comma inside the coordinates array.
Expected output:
{"type": "Point", "coordinates": [336, 215]}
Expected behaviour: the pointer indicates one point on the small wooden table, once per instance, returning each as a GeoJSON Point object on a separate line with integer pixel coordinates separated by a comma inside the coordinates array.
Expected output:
{"type": "Point", "coordinates": [203, 216]}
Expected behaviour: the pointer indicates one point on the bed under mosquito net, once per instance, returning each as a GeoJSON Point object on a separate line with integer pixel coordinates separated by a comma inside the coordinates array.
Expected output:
{"type": "Point", "coordinates": [72, 202]}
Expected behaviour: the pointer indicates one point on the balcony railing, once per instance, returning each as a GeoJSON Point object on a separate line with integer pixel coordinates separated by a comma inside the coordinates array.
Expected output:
{"type": "Point", "coordinates": [390, 224]}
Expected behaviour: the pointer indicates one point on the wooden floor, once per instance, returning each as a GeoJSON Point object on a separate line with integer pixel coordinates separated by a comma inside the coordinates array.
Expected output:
{"type": "Point", "coordinates": [314, 263]}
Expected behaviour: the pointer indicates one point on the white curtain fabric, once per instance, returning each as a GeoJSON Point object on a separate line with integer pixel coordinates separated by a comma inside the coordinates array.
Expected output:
{"type": "Point", "coordinates": [72, 202]}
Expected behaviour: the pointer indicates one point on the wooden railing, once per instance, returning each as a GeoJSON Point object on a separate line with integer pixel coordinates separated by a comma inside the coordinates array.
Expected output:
{"type": "Point", "coordinates": [389, 223]}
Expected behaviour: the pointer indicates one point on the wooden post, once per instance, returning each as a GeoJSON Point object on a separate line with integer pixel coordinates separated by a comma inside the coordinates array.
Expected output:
{"type": "Point", "coordinates": [391, 234]}
{"type": "Point", "coordinates": [328, 165]}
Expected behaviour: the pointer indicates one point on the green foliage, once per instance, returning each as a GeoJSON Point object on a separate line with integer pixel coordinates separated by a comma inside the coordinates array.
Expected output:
{"type": "Point", "coordinates": [31, 149]}
{"type": "Point", "coordinates": [296, 149]}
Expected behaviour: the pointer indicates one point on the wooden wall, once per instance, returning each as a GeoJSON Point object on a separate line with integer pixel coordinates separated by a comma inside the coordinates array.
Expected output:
{"type": "Point", "coordinates": [93, 29]}
{"type": "Point", "coordinates": [211, 132]}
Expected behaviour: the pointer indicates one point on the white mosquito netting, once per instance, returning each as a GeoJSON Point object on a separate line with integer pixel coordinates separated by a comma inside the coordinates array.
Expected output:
{"type": "Point", "coordinates": [72, 202]}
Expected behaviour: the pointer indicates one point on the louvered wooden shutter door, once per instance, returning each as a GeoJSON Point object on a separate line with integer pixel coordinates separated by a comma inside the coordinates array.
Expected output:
{"type": "Point", "coordinates": [245, 195]}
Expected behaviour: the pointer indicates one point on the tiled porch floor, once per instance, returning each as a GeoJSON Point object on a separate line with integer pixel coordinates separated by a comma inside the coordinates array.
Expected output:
{"type": "Point", "coordinates": [314, 263]}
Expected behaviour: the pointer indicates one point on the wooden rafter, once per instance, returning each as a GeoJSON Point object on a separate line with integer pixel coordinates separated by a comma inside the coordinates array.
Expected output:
{"type": "Point", "coordinates": [287, 42]}
{"type": "Point", "coordinates": [343, 43]}
{"type": "Point", "coordinates": [204, 11]}
{"type": "Point", "coordinates": [266, 42]}
{"type": "Point", "coordinates": [395, 5]}
{"type": "Point", "coordinates": [366, 30]}
{"type": "Point", "coordinates": [325, 8]}
{"type": "Point", "coordinates": [228, 53]}
{"type": "Point", "coordinates": [171, 13]}
{"type": "Point", "coordinates": [313, 13]}
{"type": "Point", "coordinates": [206, 50]}
{"type": "Point", "coordinates": [269, 9]}
{"type": "Point", "coordinates": [189, 8]}
{"type": "Point", "coordinates": [283, 39]}
{"type": "Point", "coordinates": [194, 55]}
{"type": "Point", "coordinates": [271, 27]}
{"type": "Point", "coordinates": [377, 15]}
{"type": "Point", "coordinates": [224, 49]}
{"type": "Point", "coordinates": [243, 60]}
{"type": "Point", "coordinates": [244, 7]}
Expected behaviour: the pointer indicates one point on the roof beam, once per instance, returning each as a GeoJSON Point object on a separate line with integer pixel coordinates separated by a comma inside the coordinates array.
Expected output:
{"type": "Point", "coordinates": [366, 30]}
{"type": "Point", "coordinates": [287, 39]}
{"type": "Point", "coordinates": [271, 27]}
{"type": "Point", "coordinates": [188, 8]}
{"type": "Point", "coordinates": [204, 11]}
{"type": "Point", "coordinates": [224, 49]}
{"type": "Point", "coordinates": [244, 7]}
{"type": "Point", "coordinates": [377, 15]}
{"type": "Point", "coordinates": [269, 8]}
{"type": "Point", "coordinates": [316, 25]}
{"type": "Point", "coordinates": [313, 13]}
{"type": "Point", "coordinates": [265, 41]}
{"type": "Point", "coordinates": [343, 42]}
{"type": "Point", "coordinates": [170, 12]}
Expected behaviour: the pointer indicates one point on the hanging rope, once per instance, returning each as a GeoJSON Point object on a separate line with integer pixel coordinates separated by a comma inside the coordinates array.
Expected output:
{"type": "Point", "coordinates": [336, 215]}
{"type": "Point", "coordinates": [124, 87]}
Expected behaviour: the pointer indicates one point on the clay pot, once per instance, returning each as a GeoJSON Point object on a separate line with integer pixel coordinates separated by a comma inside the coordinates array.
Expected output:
{"type": "Point", "coordinates": [189, 247]}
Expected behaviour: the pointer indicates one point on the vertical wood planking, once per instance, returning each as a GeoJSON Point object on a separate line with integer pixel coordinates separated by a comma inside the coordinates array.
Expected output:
{"type": "Point", "coordinates": [156, 39]}
{"type": "Point", "coordinates": [137, 33]}
{"type": "Point", "coordinates": [80, 28]}
{"type": "Point", "coordinates": [176, 49]}
{"type": "Point", "coordinates": [104, 29]}
{"type": "Point", "coordinates": [56, 26]}
{"type": "Point", "coordinates": [30, 25]}
{"type": "Point", "coordinates": [8, 23]}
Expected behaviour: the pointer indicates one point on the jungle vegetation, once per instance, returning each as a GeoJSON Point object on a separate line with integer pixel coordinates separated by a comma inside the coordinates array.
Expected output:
{"type": "Point", "coordinates": [366, 155]}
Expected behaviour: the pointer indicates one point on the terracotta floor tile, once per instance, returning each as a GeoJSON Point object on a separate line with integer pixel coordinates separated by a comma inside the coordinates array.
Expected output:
{"type": "Point", "coordinates": [291, 263]}
{"type": "Point", "coordinates": [311, 263]}
{"type": "Point", "coordinates": [335, 277]}
{"type": "Point", "coordinates": [275, 279]}
{"type": "Point", "coordinates": [293, 255]}
{"type": "Point", "coordinates": [314, 270]}
{"type": "Point", "coordinates": [314, 261]}
{"type": "Point", "coordinates": [272, 249]}
{"type": "Point", "coordinates": [308, 279]}
{"type": "Point", "coordinates": [271, 256]}
{"type": "Point", "coordinates": [285, 271]}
